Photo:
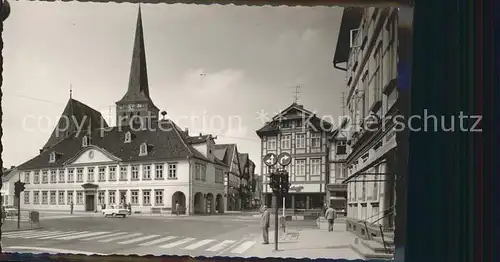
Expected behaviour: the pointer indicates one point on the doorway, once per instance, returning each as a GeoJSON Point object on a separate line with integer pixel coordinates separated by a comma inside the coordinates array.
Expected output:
{"type": "Point", "coordinates": [89, 202]}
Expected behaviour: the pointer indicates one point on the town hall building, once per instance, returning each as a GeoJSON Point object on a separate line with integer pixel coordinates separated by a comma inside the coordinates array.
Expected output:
{"type": "Point", "coordinates": [146, 161]}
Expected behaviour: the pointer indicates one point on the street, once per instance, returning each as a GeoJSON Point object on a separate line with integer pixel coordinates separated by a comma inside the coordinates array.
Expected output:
{"type": "Point", "coordinates": [194, 236]}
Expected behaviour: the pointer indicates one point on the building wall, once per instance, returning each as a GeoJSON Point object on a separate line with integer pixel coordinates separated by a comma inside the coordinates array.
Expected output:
{"type": "Point", "coordinates": [7, 189]}
{"type": "Point", "coordinates": [368, 160]}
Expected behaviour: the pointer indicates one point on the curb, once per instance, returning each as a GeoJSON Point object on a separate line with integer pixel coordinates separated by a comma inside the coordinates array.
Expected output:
{"type": "Point", "coordinates": [19, 230]}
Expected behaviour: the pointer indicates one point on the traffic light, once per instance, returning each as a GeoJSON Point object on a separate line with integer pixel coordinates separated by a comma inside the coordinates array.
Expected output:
{"type": "Point", "coordinates": [274, 182]}
{"type": "Point", "coordinates": [284, 185]}
{"type": "Point", "coordinates": [18, 188]}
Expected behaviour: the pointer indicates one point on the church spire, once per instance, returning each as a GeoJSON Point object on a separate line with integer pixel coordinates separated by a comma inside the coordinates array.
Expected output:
{"type": "Point", "coordinates": [138, 87]}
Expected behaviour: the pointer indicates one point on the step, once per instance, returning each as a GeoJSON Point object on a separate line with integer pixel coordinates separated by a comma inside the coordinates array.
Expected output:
{"type": "Point", "coordinates": [368, 254]}
{"type": "Point", "coordinates": [388, 241]}
{"type": "Point", "coordinates": [377, 247]}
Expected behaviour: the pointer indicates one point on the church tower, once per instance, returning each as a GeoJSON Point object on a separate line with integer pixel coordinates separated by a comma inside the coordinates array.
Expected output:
{"type": "Point", "coordinates": [136, 106]}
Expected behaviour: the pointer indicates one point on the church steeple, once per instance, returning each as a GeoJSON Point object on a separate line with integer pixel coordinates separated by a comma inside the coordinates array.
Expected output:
{"type": "Point", "coordinates": [137, 100]}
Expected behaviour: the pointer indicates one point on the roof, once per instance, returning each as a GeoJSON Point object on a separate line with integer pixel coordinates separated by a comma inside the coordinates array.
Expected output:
{"type": "Point", "coordinates": [8, 174]}
{"type": "Point", "coordinates": [351, 19]}
{"type": "Point", "coordinates": [138, 86]}
{"type": "Point", "coordinates": [75, 113]}
{"type": "Point", "coordinates": [316, 122]}
{"type": "Point", "coordinates": [220, 153]}
{"type": "Point", "coordinates": [243, 157]}
{"type": "Point", "coordinates": [229, 149]}
{"type": "Point", "coordinates": [167, 144]}
{"type": "Point", "coordinates": [198, 139]}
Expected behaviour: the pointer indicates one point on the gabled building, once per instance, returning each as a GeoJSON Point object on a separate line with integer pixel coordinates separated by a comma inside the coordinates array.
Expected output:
{"type": "Point", "coordinates": [151, 166]}
{"type": "Point", "coordinates": [336, 190]}
{"type": "Point", "coordinates": [367, 45]}
{"type": "Point", "coordinates": [9, 177]}
{"type": "Point", "coordinates": [228, 153]}
{"type": "Point", "coordinates": [305, 136]}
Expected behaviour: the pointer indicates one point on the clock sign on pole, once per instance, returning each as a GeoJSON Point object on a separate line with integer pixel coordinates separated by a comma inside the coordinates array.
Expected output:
{"type": "Point", "coordinates": [270, 159]}
{"type": "Point", "coordinates": [284, 159]}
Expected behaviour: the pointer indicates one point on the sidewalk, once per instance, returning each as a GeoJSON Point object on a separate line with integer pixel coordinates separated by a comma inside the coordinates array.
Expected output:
{"type": "Point", "coordinates": [308, 243]}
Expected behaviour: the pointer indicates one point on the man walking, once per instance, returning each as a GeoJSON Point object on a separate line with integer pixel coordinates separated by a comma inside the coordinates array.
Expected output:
{"type": "Point", "coordinates": [330, 215]}
{"type": "Point", "coordinates": [177, 207]}
{"type": "Point", "coordinates": [264, 224]}
{"type": "Point", "coordinates": [71, 208]}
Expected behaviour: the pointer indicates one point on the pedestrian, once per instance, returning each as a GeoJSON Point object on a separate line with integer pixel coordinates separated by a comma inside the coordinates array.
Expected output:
{"type": "Point", "coordinates": [330, 215]}
{"type": "Point", "coordinates": [71, 207]}
{"type": "Point", "coordinates": [177, 207]}
{"type": "Point", "coordinates": [129, 207]}
{"type": "Point", "coordinates": [264, 224]}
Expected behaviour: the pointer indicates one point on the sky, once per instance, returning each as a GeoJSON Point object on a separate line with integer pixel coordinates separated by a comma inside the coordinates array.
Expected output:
{"type": "Point", "coordinates": [212, 68]}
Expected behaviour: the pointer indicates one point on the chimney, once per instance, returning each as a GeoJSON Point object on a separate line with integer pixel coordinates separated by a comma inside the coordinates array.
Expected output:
{"type": "Point", "coordinates": [41, 150]}
{"type": "Point", "coordinates": [186, 130]}
{"type": "Point", "coordinates": [201, 134]}
{"type": "Point", "coordinates": [12, 167]}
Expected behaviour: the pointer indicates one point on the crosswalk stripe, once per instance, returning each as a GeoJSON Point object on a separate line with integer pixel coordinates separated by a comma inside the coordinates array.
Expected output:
{"type": "Point", "coordinates": [44, 234]}
{"type": "Point", "coordinates": [82, 235]}
{"type": "Point", "coordinates": [221, 245]}
{"type": "Point", "coordinates": [157, 241]}
{"type": "Point", "coordinates": [199, 244]}
{"type": "Point", "coordinates": [19, 234]}
{"type": "Point", "coordinates": [243, 247]}
{"type": "Point", "coordinates": [138, 239]}
{"type": "Point", "coordinates": [110, 235]}
{"type": "Point", "coordinates": [120, 237]}
{"type": "Point", "coordinates": [178, 243]}
{"type": "Point", "coordinates": [70, 234]}
{"type": "Point", "coordinates": [59, 235]}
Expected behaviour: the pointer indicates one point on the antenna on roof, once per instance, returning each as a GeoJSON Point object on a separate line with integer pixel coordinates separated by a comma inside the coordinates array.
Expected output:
{"type": "Point", "coordinates": [296, 93]}
{"type": "Point", "coordinates": [70, 91]}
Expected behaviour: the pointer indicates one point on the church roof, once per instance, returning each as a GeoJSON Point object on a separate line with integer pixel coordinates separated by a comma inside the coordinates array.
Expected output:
{"type": "Point", "coordinates": [166, 143]}
{"type": "Point", "coordinates": [75, 113]}
{"type": "Point", "coordinates": [138, 86]}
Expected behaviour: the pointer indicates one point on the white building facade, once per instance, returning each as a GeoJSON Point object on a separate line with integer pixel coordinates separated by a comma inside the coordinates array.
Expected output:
{"type": "Point", "coordinates": [371, 81]}
{"type": "Point", "coordinates": [9, 177]}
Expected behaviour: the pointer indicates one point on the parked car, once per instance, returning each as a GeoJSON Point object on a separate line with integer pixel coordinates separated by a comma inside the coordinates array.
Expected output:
{"type": "Point", "coordinates": [10, 211]}
{"type": "Point", "coordinates": [115, 211]}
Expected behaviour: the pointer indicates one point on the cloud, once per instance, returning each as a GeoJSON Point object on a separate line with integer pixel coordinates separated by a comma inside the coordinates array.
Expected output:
{"type": "Point", "coordinates": [207, 83]}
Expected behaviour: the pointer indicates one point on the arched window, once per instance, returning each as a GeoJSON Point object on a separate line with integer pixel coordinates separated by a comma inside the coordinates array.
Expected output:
{"type": "Point", "coordinates": [143, 150]}
{"type": "Point", "coordinates": [85, 141]}
{"type": "Point", "coordinates": [128, 137]}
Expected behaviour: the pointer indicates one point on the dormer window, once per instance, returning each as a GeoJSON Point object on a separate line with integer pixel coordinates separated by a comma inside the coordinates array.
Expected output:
{"type": "Point", "coordinates": [85, 141]}
{"type": "Point", "coordinates": [128, 137]}
{"type": "Point", "coordinates": [52, 157]}
{"type": "Point", "coordinates": [143, 151]}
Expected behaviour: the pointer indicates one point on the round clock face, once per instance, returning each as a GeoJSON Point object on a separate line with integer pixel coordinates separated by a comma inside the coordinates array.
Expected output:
{"type": "Point", "coordinates": [91, 154]}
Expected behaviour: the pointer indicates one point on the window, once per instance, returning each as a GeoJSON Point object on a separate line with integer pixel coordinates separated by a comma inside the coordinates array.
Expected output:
{"type": "Point", "coordinates": [53, 197]}
{"type": "Point", "coordinates": [36, 197]}
{"type": "Point", "coordinates": [79, 198]}
{"type": "Point", "coordinates": [101, 197]}
{"type": "Point", "coordinates": [285, 124]}
{"type": "Point", "coordinates": [102, 174]}
{"type": "Point", "coordinates": [300, 169]}
{"type": "Point", "coordinates": [219, 176]}
{"type": "Point", "coordinates": [71, 177]}
{"type": "Point", "coordinates": [85, 141]}
{"type": "Point", "coordinates": [271, 143]}
{"type": "Point", "coordinates": [128, 137]}
{"type": "Point", "coordinates": [61, 176]}
{"type": "Point", "coordinates": [52, 157]}
{"type": "Point", "coordinates": [143, 150]}
{"type": "Point", "coordinates": [135, 197]}
{"type": "Point", "coordinates": [159, 171]}
{"type": "Point", "coordinates": [159, 197]}
{"type": "Point", "coordinates": [285, 142]}
{"type": "Point", "coordinates": [27, 177]}
{"type": "Point", "coordinates": [200, 172]}
{"type": "Point", "coordinates": [111, 197]}
{"type": "Point", "coordinates": [146, 172]}
{"type": "Point", "coordinates": [146, 197]}
{"type": "Point", "coordinates": [53, 176]}
{"type": "Point", "coordinates": [366, 95]}
{"type": "Point", "coordinates": [172, 171]}
{"type": "Point", "coordinates": [298, 123]}
{"type": "Point", "coordinates": [301, 140]}
{"type": "Point", "coordinates": [112, 173]}
{"type": "Point", "coordinates": [378, 77]}
{"type": "Point", "coordinates": [341, 147]}
{"type": "Point", "coordinates": [203, 173]}
{"type": "Point", "coordinates": [123, 173]}
{"type": "Point", "coordinates": [316, 167]}
{"type": "Point", "coordinates": [45, 177]}
{"type": "Point", "coordinates": [135, 172]}
{"type": "Point", "coordinates": [79, 175]}
{"type": "Point", "coordinates": [363, 188]}
{"type": "Point", "coordinates": [26, 197]}
{"type": "Point", "coordinates": [315, 139]}
{"type": "Point", "coordinates": [90, 174]}
{"type": "Point", "coordinates": [70, 197]}
{"type": "Point", "coordinates": [45, 199]}
{"type": "Point", "coordinates": [61, 198]}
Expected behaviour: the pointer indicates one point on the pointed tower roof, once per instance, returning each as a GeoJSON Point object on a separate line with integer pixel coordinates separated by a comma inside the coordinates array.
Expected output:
{"type": "Point", "coordinates": [76, 114]}
{"type": "Point", "coordinates": [138, 87]}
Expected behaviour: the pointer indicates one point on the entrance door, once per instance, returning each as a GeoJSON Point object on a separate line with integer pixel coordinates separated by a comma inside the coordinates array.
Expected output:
{"type": "Point", "coordinates": [89, 203]}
